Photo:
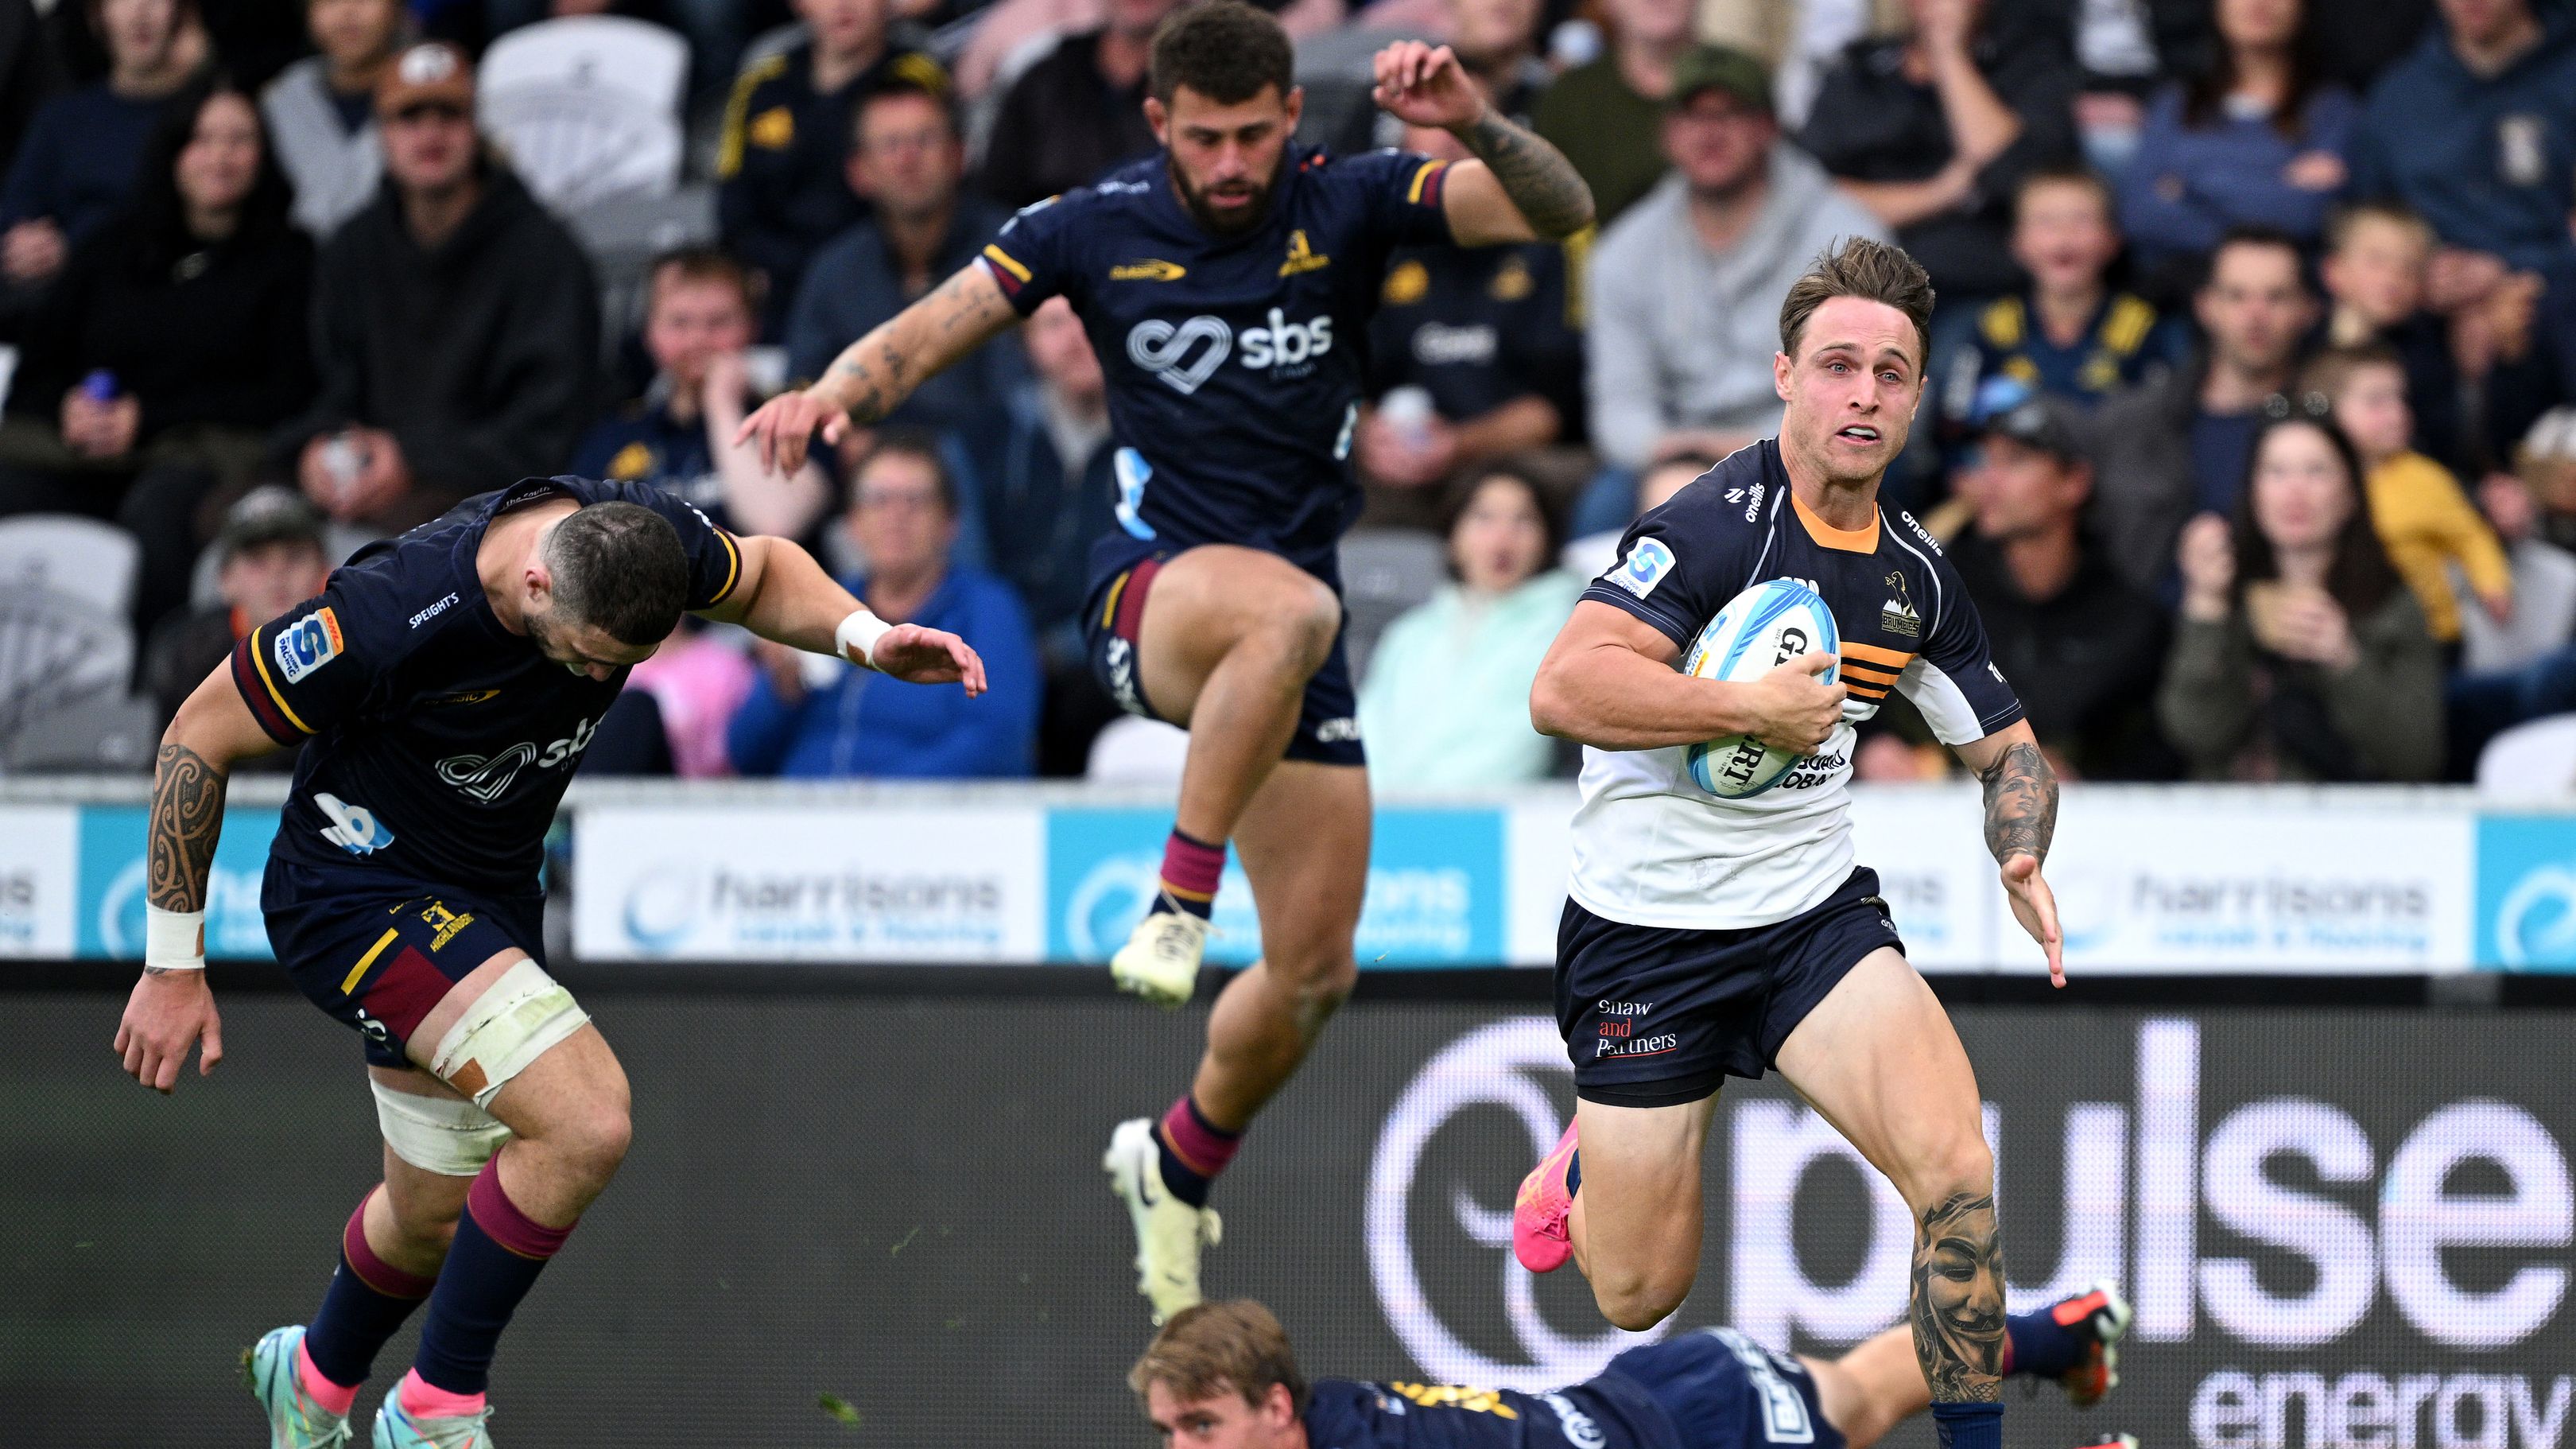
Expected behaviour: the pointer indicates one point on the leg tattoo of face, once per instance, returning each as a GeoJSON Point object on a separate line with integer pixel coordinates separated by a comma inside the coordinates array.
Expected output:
{"type": "Point", "coordinates": [1958, 1307]}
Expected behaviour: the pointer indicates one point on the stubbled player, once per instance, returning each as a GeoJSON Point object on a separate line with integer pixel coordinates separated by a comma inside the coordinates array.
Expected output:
{"type": "Point", "coordinates": [443, 686]}
{"type": "Point", "coordinates": [1226, 285]}
{"type": "Point", "coordinates": [1222, 1376]}
{"type": "Point", "coordinates": [1707, 937]}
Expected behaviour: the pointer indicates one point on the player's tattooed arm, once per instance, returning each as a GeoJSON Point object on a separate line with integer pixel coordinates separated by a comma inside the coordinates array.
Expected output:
{"type": "Point", "coordinates": [2021, 802]}
{"type": "Point", "coordinates": [187, 817]}
{"type": "Point", "coordinates": [1543, 186]}
{"type": "Point", "coordinates": [873, 376]}
{"type": "Point", "coordinates": [1958, 1299]}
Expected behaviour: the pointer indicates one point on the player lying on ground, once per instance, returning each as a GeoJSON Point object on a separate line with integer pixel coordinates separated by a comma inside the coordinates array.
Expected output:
{"type": "Point", "coordinates": [1222, 1376]}
{"type": "Point", "coordinates": [1707, 936]}
{"type": "Point", "coordinates": [1226, 285]}
{"type": "Point", "coordinates": [443, 686]}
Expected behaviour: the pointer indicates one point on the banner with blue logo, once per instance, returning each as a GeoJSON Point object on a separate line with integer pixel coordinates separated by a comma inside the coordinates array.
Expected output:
{"type": "Point", "coordinates": [2526, 893]}
{"type": "Point", "coordinates": [113, 871]}
{"type": "Point", "coordinates": [1435, 888]}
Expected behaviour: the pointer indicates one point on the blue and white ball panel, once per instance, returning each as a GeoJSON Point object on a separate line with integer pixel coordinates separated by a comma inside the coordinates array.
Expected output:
{"type": "Point", "coordinates": [1759, 630]}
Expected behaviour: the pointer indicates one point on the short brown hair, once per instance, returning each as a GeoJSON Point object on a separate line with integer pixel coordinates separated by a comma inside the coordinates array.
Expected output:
{"type": "Point", "coordinates": [698, 264]}
{"type": "Point", "coordinates": [2348, 219]}
{"type": "Point", "coordinates": [2082, 176]}
{"type": "Point", "coordinates": [1209, 1348]}
{"type": "Point", "coordinates": [1856, 266]}
{"type": "Point", "coordinates": [2330, 372]}
{"type": "Point", "coordinates": [1223, 49]}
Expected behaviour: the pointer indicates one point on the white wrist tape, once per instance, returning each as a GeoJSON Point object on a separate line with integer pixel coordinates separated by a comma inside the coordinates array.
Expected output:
{"type": "Point", "coordinates": [174, 940]}
{"type": "Point", "coordinates": [857, 638]}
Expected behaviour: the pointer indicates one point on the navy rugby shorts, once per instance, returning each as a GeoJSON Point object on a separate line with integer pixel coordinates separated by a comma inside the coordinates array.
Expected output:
{"type": "Point", "coordinates": [1720, 1390]}
{"type": "Point", "coordinates": [377, 951]}
{"type": "Point", "coordinates": [1328, 726]}
{"type": "Point", "coordinates": [1654, 1016]}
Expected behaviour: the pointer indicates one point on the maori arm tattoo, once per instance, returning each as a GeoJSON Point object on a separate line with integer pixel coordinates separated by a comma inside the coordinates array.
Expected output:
{"type": "Point", "coordinates": [1958, 1308]}
{"type": "Point", "coordinates": [187, 815]}
{"type": "Point", "coordinates": [1535, 175]}
{"type": "Point", "coordinates": [880, 370]}
{"type": "Point", "coordinates": [2021, 803]}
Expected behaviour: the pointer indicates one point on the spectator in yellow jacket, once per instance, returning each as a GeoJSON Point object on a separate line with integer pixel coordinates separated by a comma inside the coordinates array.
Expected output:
{"type": "Point", "coordinates": [2424, 519]}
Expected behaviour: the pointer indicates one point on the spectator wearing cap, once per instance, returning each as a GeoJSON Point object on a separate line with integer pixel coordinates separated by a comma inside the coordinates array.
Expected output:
{"type": "Point", "coordinates": [322, 109]}
{"type": "Point", "coordinates": [2069, 333]}
{"type": "Point", "coordinates": [77, 165]}
{"type": "Point", "coordinates": [456, 324]}
{"type": "Point", "coordinates": [1077, 112]}
{"type": "Point", "coordinates": [809, 717]}
{"type": "Point", "coordinates": [174, 342]}
{"type": "Point", "coordinates": [908, 158]}
{"type": "Point", "coordinates": [271, 559]}
{"type": "Point", "coordinates": [2299, 654]}
{"type": "Point", "coordinates": [782, 188]}
{"type": "Point", "coordinates": [2177, 444]}
{"type": "Point", "coordinates": [1685, 288]}
{"type": "Point", "coordinates": [2083, 646]}
{"type": "Point", "coordinates": [679, 436]}
{"type": "Point", "coordinates": [1607, 114]}
{"type": "Point", "coordinates": [1474, 354]}
{"type": "Point", "coordinates": [1934, 129]}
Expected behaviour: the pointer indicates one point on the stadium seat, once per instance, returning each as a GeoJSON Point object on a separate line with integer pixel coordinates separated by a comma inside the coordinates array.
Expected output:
{"type": "Point", "coordinates": [108, 733]}
{"type": "Point", "coordinates": [588, 107]}
{"type": "Point", "coordinates": [1134, 751]}
{"type": "Point", "coordinates": [1385, 571]}
{"type": "Point", "coordinates": [625, 233]}
{"type": "Point", "coordinates": [57, 650]}
{"type": "Point", "coordinates": [2534, 761]}
{"type": "Point", "coordinates": [82, 558]}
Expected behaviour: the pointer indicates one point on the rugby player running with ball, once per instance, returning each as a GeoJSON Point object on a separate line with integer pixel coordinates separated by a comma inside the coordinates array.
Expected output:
{"type": "Point", "coordinates": [1708, 937]}
{"type": "Point", "coordinates": [443, 686]}
{"type": "Point", "coordinates": [1226, 285]}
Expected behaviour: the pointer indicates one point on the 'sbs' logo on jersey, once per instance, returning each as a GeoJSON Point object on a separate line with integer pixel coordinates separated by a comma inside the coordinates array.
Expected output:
{"type": "Point", "coordinates": [308, 644]}
{"type": "Point", "coordinates": [353, 828]}
{"type": "Point", "coordinates": [1186, 354]}
{"type": "Point", "coordinates": [1648, 560]}
{"type": "Point", "coordinates": [486, 777]}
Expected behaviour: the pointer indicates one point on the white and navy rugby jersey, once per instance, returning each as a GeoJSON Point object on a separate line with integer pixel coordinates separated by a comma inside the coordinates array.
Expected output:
{"type": "Point", "coordinates": [1651, 848]}
{"type": "Point", "coordinates": [1235, 363]}
{"type": "Point", "coordinates": [440, 742]}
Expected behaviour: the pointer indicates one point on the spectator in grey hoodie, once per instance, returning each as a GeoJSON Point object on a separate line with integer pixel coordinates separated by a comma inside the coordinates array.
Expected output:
{"type": "Point", "coordinates": [321, 111]}
{"type": "Point", "coordinates": [1685, 287]}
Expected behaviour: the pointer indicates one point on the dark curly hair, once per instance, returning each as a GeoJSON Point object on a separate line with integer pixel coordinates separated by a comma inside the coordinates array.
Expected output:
{"type": "Point", "coordinates": [1223, 49]}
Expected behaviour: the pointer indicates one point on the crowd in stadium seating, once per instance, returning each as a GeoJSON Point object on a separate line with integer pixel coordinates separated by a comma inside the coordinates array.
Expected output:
{"type": "Point", "coordinates": [2250, 419]}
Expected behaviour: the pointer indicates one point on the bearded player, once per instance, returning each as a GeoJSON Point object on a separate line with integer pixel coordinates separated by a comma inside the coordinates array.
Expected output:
{"type": "Point", "coordinates": [1226, 284]}
{"type": "Point", "coordinates": [1222, 1376]}
{"type": "Point", "coordinates": [443, 686]}
{"type": "Point", "coordinates": [1708, 937]}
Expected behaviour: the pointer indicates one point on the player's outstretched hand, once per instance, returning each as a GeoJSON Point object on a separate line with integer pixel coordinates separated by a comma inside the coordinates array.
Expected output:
{"type": "Point", "coordinates": [928, 656]}
{"type": "Point", "coordinates": [1793, 709]}
{"type": "Point", "coordinates": [166, 1015]}
{"type": "Point", "coordinates": [2035, 906]}
{"type": "Point", "coordinates": [783, 424]}
{"type": "Point", "coordinates": [1425, 85]}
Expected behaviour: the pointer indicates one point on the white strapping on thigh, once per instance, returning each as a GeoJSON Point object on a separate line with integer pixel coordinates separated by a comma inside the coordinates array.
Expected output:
{"type": "Point", "coordinates": [437, 1134]}
{"type": "Point", "coordinates": [509, 1026]}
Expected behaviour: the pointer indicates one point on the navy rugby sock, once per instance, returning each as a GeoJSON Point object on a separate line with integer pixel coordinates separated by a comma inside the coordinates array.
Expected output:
{"type": "Point", "coordinates": [1969, 1426]}
{"type": "Point", "coordinates": [365, 1305]}
{"type": "Point", "coordinates": [2038, 1345]}
{"type": "Point", "coordinates": [498, 1253]}
{"type": "Point", "coordinates": [1193, 1150]}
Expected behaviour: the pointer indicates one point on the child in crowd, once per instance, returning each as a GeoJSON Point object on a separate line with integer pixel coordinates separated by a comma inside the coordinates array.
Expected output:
{"type": "Point", "coordinates": [2424, 520]}
{"type": "Point", "coordinates": [2070, 333]}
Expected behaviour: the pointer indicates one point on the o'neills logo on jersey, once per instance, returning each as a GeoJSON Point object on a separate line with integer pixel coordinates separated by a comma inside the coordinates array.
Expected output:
{"type": "Point", "coordinates": [1897, 615]}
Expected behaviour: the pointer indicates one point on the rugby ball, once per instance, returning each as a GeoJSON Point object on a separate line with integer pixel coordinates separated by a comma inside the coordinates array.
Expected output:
{"type": "Point", "coordinates": [1759, 630]}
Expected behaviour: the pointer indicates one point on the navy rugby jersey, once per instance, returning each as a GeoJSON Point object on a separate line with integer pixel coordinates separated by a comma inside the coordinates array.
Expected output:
{"type": "Point", "coordinates": [1605, 1413]}
{"type": "Point", "coordinates": [440, 741]}
{"type": "Point", "coordinates": [1653, 849]}
{"type": "Point", "coordinates": [1235, 364]}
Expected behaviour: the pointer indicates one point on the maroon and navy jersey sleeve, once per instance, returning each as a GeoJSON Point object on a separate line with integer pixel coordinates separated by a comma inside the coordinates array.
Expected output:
{"type": "Point", "coordinates": [1954, 683]}
{"type": "Point", "coordinates": [1405, 195]}
{"type": "Point", "coordinates": [1031, 257]}
{"type": "Point", "coordinates": [1680, 563]}
{"type": "Point", "coordinates": [715, 556]}
{"type": "Point", "coordinates": [312, 666]}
